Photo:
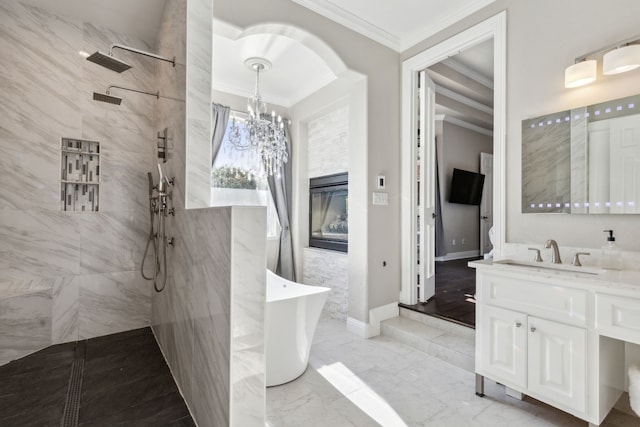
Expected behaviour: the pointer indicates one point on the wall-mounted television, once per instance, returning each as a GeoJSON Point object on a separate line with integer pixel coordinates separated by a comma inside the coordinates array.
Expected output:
{"type": "Point", "coordinates": [466, 187]}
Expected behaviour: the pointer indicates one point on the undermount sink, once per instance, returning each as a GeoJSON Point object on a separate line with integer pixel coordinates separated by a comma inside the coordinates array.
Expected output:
{"type": "Point", "coordinates": [551, 267]}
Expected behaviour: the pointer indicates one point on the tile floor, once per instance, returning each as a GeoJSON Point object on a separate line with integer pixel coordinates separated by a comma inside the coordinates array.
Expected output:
{"type": "Point", "coordinates": [126, 382]}
{"type": "Point", "coordinates": [380, 382]}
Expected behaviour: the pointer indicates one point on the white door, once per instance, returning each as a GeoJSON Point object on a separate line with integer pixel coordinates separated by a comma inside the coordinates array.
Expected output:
{"type": "Point", "coordinates": [486, 205]}
{"type": "Point", "coordinates": [557, 362]}
{"type": "Point", "coordinates": [504, 345]}
{"type": "Point", "coordinates": [425, 199]}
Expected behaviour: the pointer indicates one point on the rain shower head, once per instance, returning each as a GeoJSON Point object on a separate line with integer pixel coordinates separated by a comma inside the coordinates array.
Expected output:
{"type": "Point", "coordinates": [115, 64]}
{"type": "Point", "coordinates": [109, 62]}
{"type": "Point", "coordinates": [102, 97]}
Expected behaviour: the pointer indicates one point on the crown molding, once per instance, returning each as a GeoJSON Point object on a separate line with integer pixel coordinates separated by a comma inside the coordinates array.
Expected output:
{"type": "Point", "coordinates": [353, 22]}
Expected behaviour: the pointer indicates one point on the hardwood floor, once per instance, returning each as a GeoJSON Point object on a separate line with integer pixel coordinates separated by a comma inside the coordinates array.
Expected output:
{"type": "Point", "coordinates": [454, 297]}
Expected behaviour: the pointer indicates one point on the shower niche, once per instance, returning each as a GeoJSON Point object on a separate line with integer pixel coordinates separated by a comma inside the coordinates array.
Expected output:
{"type": "Point", "coordinates": [80, 178]}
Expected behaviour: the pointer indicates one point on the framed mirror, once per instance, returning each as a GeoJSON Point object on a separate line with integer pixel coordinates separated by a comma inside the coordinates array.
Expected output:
{"type": "Point", "coordinates": [583, 161]}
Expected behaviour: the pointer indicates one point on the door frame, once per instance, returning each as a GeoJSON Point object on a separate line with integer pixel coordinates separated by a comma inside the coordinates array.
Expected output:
{"type": "Point", "coordinates": [496, 28]}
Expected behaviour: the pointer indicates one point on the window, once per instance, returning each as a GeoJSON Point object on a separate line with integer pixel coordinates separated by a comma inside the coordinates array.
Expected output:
{"type": "Point", "coordinates": [238, 178]}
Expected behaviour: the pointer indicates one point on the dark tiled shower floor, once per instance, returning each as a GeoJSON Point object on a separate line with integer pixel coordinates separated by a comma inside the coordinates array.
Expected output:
{"type": "Point", "coordinates": [125, 382]}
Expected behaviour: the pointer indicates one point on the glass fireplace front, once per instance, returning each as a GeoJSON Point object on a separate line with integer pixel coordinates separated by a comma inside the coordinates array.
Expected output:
{"type": "Point", "coordinates": [328, 212]}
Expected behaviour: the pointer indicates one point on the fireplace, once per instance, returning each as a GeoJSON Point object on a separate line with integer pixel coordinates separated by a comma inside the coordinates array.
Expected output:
{"type": "Point", "coordinates": [328, 212]}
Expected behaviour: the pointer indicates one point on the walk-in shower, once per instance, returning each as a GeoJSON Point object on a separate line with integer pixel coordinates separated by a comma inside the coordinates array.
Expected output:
{"type": "Point", "coordinates": [159, 199]}
{"type": "Point", "coordinates": [118, 65]}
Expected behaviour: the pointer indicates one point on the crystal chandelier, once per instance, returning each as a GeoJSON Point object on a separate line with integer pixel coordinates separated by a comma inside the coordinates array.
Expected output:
{"type": "Point", "coordinates": [264, 133]}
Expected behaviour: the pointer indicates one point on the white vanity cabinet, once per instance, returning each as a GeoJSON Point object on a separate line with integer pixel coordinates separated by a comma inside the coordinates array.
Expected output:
{"type": "Point", "coordinates": [543, 357]}
{"type": "Point", "coordinates": [539, 336]}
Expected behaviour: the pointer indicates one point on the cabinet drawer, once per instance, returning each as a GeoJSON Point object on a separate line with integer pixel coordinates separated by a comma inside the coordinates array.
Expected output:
{"type": "Point", "coordinates": [551, 301]}
{"type": "Point", "coordinates": [618, 317]}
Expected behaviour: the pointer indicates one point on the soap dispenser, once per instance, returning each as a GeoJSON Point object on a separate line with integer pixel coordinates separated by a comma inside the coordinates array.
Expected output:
{"type": "Point", "coordinates": [611, 256]}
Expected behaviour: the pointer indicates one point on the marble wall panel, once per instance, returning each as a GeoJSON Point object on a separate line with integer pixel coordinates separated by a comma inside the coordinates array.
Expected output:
{"type": "Point", "coordinates": [248, 278]}
{"type": "Point", "coordinates": [32, 40]}
{"type": "Point", "coordinates": [65, 309]}
{"type": "Point", "coordinates": [30, 173]}
{"type": "Point", "coordinates": [38, 243]}
{"type": "Point", "coordinates": [112, 242]}
{"type": "Point", "coordinates": [114, 302]}
{"type": "Point", "coordinates": [328, 142]}
{"type": "Point", "coordinates": [38, 109]}
{"type": "Point", "coordinates": [25, 324]}
{"type": "Point", "coordinates": [330, 269]}
{"type": "Point", "coordinates": [198, 134]}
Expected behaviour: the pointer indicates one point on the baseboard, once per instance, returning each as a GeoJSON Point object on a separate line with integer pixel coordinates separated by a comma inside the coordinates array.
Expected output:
{"type": "Point", "coordinates": [458, 255]}
{"type": "Point", "coordinates": [376, 315]}
{"type": "Point", "coordinates": [357, 327]}
{"type": "Point", "coordinates": [379, 314]}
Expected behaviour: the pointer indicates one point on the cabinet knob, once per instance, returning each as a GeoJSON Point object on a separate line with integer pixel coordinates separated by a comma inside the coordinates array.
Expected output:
{"type": "Point", "coordinates": [533, 329]}
{"type": "Point", "coordinates": [518, 324]}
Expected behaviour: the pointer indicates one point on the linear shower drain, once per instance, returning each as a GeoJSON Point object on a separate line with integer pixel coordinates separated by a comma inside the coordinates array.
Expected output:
{"type": "Point", "coordinates": [72, 404]}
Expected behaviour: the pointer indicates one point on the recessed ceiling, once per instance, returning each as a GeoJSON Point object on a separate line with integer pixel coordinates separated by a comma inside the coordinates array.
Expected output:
{"type": "Point", "coordinates": [137, 18]}
{"type": "Point", "coordinates": [398, 24]}
{"type": "Point", "coordinates": [296, 72]}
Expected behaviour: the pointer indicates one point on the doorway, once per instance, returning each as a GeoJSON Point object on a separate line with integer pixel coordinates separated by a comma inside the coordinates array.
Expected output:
{"type": "Point", "coordinates": [492, 33]}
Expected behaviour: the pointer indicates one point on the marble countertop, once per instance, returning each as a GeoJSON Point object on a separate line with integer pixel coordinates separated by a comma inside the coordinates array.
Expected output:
{"type": "Point", "coordinates": [626, 282]}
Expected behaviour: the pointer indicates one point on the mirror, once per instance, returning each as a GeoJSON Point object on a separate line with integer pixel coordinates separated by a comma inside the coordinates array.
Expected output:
{"type": "Point", "coordinates": [583, 161]}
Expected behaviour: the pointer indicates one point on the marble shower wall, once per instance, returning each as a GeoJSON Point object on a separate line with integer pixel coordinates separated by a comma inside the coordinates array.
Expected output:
{"type": "Point", "coordinates": [209, 319]}
{"type": "Point", "coordinates": [85, 264]}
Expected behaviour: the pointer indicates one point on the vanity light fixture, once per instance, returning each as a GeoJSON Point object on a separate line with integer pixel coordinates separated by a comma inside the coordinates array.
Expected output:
{"type": "Point", "coordinates": [618, 58]}
{"type": "Point", "coordinates": [621, 60]}
{"type": "Point", "coordinates": [581, 73]}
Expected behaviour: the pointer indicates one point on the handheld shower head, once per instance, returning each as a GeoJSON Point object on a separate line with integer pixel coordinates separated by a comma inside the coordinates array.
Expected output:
{"type": "Point", "coordinates": [162, 180]}
{"type": "Point", "coordinates": [102, 97]}
{"type": "Point", "coordinates": [109, 62]}
{"type": "Point", "coordinates": [150, 177]}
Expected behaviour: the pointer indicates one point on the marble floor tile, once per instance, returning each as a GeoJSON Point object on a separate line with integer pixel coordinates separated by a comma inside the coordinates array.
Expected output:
{"type": "Point", "coordinates": [381, 382]}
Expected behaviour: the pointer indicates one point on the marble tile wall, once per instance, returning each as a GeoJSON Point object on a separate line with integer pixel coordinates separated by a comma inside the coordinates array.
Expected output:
{"type": "Point", "coordinates": [209, 319]}
{"type": "Point", "coordinates": [331, 269]}
{"type": "Point", "coordinates": [328, 138]}
{"type": "Point", "coordinates": [87, 262]}
{"type": "Point", "coordinates": [328, 153]}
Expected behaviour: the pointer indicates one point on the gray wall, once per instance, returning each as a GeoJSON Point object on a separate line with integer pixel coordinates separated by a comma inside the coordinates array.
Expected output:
{"type": "Point", "coordinates": [459, 148]}
{"type": "Point", "coordinates": [535, 86]}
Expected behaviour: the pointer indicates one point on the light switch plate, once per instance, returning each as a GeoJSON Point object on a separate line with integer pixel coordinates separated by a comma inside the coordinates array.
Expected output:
{"type": "Point", "coordinates": [380, 199]}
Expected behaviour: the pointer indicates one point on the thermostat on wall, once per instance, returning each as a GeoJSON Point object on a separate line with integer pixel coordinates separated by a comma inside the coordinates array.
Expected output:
{"type": "Point", "coordinates": [381, 182]}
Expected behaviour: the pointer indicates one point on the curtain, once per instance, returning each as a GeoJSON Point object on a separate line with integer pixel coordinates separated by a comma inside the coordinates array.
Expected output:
{"type": "Point", "coordinates": [280, 186]}
{"type": "Point", "coordinates": [440, 248]}
{"type": "Point", "coordinates": [220, 119]}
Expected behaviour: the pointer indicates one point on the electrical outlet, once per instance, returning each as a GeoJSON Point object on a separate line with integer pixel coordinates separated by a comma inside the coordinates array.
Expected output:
{"type": "Point", "coordinates": [453, 242]}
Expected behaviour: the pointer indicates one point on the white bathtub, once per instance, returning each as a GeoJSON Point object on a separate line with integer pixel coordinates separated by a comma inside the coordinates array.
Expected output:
{"type": "Point", "coordinates": [292, 314]}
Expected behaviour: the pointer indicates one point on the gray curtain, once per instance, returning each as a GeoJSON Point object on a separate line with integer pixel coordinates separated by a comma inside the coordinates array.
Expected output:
{"type": "Point", "coordinates": [440, 249]}
{"type": "Point", "coordinates": [220, 119]}
{"type": "Point", "coordinates": [280, 187]}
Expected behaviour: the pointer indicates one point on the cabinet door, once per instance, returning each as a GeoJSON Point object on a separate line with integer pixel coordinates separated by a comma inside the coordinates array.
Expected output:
{"type": "Point", "coordinates": [557, 362]}
{"type": "Point", "coordinates": [504, 345]}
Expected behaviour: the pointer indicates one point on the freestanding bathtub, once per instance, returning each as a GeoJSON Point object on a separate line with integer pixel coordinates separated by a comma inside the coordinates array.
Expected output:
{"type": "Point", "coordinates": [292, 314]}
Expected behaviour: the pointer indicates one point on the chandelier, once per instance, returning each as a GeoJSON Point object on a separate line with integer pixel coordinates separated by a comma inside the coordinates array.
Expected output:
{"type": "Point", "coordinates": [264, 132]}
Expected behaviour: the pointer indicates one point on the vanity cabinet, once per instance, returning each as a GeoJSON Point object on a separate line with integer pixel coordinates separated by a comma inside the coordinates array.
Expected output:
{"type": "Point", "coordinates": [536, 356]}
{"type": "Point", "coordinates": [558, 338]}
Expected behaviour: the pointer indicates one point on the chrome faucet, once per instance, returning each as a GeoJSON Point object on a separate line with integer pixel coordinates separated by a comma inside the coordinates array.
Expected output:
{"type": "Point", "coordinates": [555, 255]}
